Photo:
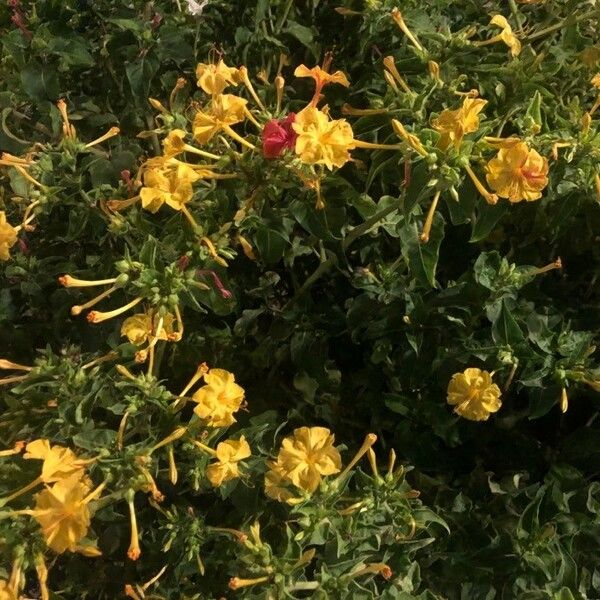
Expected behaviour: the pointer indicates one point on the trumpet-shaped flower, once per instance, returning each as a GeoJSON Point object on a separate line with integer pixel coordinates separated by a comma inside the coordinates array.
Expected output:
{"type": "Point", "coordinates": [454, 124]}
{"type": "Point", "coordinates": [214, 78]}
{"type": "Point", "coordinates": [63, 513]}
{"type": "Point", "coordinates": [6, 591]}
{"type": "Point", "coordinates": [322, 141]}
{"type": "Point", "coordinates": [169, 184]}
{"type": "Point", "coordinates": [224, 111]}
{"type": "Point", "coordinates": [322, 77]}
{"type": "Point", "coordinates": [8, 237]}
{"type": "Point", "coordinates": [277, 485]}
{"type": "Point", "coordinates": [59, 462]}
{"type": "Point", "coordinates": [278, 136]}
{"type": "Point", "coordinates": [228, 455]}
{"type": "Point", "coordinates": [142, 326]}
{"type": "Point", "coordinates": [473, 394]}
{"type": "Point", "coordinates": [307, 456]}
{"type": "Point", "coordinates": [506, 35]}
{"type": "Point", "coordinates": [219, 399]}
{"type": "Point", "coordinates": [518, 173]}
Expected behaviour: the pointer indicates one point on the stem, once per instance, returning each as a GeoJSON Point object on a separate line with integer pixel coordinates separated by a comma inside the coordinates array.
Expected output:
{"type": "Point", "coordinates": [22, 491]}
{"type": "Point", "coordinates": [369, 223]}
{"type": "Point", "coordinates": [153, 137]}
{"type": "Point", "coordinates": [227, 129]}
{"type": "Point", "coordinates": [284, 16]}
{"type": "Point", "coordinates": [560, 25]}
{"type": "Point", "coordinates": [354, 234]}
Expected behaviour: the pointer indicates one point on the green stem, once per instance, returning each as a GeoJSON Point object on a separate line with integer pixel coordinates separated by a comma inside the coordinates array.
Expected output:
{"type": "Point", "coordinates": [358, 231]}
{"type": "Point", "coordinates": [561, 24]}
{"type": "Point", "coordinates": [515, 12]}
{"type": "Point", "coordinates": [284, 16]}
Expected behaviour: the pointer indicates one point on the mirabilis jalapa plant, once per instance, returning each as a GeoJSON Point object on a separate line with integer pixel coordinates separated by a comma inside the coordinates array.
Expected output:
{"type": "Point", "coordinates": [250, 229]}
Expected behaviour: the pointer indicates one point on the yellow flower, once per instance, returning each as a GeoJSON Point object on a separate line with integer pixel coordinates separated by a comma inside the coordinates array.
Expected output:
{"type": "Point", "coordinates": [228, 455]}
{"type": "Point", "coordinates": [596, 81]}
{"type": "Point", "coordinates": [59, 462]}
{"type": "Point", "coordinates": [63, 513]}
{"type": "Point", "coordinates": [473, 394]}
{"type": "Point", "coordinates": [213, 79]}
{"type": "Point", "coordinates": [8, 236]}
{"type": "Point", "coordinates": [276, 483]}
{"type": "Point", "coordinates": [138, 328]}
{"type": "Point", "coordinates": [454, 124]}
{"type": "Point", "coordinates": [322, 141]}
{"type": "Point", "coordinates": [307, 456]}
{"type": "Point", "coordinates": [507, 35]}
{"type": "Point", "coordinates": [174, 143]}
{"type": "Point", "coordinates": [590, 56]}
{"type": "Point", "coordinates": [6, 591]}
{"type": "Point", "coordinates": [224, 111]}
{"type": "Point", "coordinates": [322, 77]}
{"type": "Point", "coordinates": [518, 173]}
{"type": "Point", "coordinates": [219, 398]}
{"type": "Point", "coordinates": [169, 184]}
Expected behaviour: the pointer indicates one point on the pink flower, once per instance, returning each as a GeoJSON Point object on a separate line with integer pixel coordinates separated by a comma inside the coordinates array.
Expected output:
{"type": "Point", "coordinates": [277, 136]}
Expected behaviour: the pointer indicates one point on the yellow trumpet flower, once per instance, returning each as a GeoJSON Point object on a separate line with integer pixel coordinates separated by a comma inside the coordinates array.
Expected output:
{"type": "Point", "coordinates": [518, 173]}
{"type": "Point", "coordinates": [506, 35]}
{"type": "Point", "coordinates": [473, 394]}
{"type": "Point", "coordinates": [322, 141]}
{"type": "Point", "coordinates": [224, 111]}
{"type": "Point", "coordinates": [8, 237]}
{"type": "Point", "coordinates": [214, 78]}
{"type": "Point", "coordinates": [454, 124]}
{"type": "Point", "coordinates": [228, 455]}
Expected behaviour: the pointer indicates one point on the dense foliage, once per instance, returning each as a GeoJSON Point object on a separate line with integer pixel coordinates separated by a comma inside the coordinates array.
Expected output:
{"type": "Point", "coordinates": [275, 331]}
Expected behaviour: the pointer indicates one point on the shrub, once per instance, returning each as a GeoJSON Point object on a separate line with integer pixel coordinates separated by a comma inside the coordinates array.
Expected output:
{"type": "Point", "coordinates": [278, 330]}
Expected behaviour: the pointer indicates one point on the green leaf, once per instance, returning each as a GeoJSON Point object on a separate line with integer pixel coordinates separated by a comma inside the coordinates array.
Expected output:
{"type": "Point", "coordinates": [140, 75]}
{"type": "Point", "coordinates": [325, 224]}
{"type": "Point", "coordinates": [303, 34]}
{"type": "Point", "coordinates": [40, 82]}
{"type": "Point", "coordinates": [422, 258]}
{"type": "Point", "coordinates": [505, 329]}
{"type": "Point", "coordinates": [271, 244]}
{"type": "Point", "coordinates": [487, 218]}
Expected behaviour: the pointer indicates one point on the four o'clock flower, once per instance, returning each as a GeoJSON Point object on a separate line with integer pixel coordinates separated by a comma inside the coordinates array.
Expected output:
{"type": "Point", "coordinates": [279, 136]}
{"type": "Point", "coordinates": [518, 173]}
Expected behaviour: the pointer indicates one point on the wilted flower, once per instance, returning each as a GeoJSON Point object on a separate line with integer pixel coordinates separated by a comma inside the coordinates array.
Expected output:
{"type": "Point", "coordinates": [213, 79]}
{"type": "Point", "coordinates": [219, 399]}
{"type": "Point", "coordinates": [454, 124]}
{"type": "Point", "coordinates": [63, 513]}
{"type": "Point", "coordinates": [196, 8]}
{"type": "Point", "coordinates": [228, 455]}
{"type": "Point", "coordinates": [278, 136]}
{"type": "Point", "coordinates": [518, 173]}
{"type": "Point", "coordinates": [473, 394]}
{"type": "Point", "coordinates": [322, 141]}
{"type": "Point", "coordinates": [307, 456]}
{"type": "Point", "coordinates": [8, 236]}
